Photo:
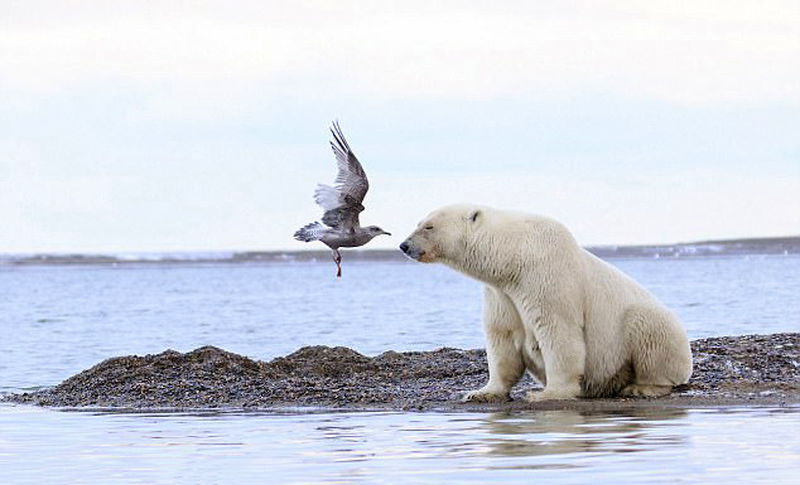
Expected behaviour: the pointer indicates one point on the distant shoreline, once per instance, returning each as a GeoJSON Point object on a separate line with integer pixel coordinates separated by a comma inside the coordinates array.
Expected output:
{"type": "Point", "coordinates": [732, 247]}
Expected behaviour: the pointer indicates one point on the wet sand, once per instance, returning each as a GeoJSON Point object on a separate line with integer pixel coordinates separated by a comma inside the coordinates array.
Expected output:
{"type": "Point", "coordinates": [743, 370]}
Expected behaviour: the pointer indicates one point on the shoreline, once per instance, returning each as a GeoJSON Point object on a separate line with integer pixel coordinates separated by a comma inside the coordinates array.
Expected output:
{"type": "Point", "coordinates": [764, 246]}
{"type": "Point", "coordinates": [750, 370]}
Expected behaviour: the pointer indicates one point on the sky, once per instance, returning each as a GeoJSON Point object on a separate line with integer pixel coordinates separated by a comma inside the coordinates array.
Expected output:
{"type": "Point", "coordinates": [203, 126]}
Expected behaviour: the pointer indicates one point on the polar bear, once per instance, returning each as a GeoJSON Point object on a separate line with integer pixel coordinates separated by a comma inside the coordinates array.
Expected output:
{"type": "Point", "coordinates": [579, 326]}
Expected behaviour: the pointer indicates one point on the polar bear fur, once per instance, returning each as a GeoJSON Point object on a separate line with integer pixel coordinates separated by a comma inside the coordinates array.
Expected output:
{"type": "Point", "coordinates": [577, 324]}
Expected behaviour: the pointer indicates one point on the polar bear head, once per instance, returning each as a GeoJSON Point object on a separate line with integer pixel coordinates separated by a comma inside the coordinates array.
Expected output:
{"type": "Point", "coordinates": [446, 235]}
{"type": "Point", "coordinates": [488, 244]}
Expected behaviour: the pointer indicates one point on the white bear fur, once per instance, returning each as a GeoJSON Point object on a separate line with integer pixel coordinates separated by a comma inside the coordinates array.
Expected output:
{"type": "Point", "coordinates": [579, 325]}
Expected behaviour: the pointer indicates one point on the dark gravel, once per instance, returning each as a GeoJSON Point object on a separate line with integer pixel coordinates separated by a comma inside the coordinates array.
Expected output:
{"type": "Point", "coordinates": [753, 369]}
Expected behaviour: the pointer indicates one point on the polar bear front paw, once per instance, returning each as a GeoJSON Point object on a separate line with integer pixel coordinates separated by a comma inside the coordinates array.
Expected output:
{"type": "Point", "coordinates": [547, 395]}
{"type": "Point", "coordinates": [481, 395]}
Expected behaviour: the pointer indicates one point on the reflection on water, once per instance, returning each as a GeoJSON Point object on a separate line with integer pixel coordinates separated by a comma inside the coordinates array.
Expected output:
{"type": "Point", "coordinates": [642, 446]}
{"type": "Point", "coordinates": [559, 432]}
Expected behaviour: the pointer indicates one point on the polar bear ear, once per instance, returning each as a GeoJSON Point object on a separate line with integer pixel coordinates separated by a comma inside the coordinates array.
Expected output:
{"type": "Point", "coordinates": [474, 215]}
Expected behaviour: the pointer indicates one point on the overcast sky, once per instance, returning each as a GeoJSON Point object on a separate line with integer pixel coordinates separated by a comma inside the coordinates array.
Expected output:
{"type": "Point", "coordinates": [150, 126]}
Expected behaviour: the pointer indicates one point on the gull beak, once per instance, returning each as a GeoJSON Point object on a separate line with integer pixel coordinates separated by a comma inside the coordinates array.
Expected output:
{"type": "Point", "coordinates": [387, 233]}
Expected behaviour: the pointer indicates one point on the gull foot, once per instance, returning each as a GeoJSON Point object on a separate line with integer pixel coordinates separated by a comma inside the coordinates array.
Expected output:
{"type": "Point", "coordinates": [337, 258]}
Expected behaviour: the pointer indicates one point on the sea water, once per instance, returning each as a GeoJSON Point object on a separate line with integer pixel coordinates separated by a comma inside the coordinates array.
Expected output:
{"type": "Point", "coordinates": [58, 320]}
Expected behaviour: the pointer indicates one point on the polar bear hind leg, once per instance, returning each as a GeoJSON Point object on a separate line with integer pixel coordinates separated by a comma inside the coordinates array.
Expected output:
{"type": "Point", "coordinates": [658, 350]}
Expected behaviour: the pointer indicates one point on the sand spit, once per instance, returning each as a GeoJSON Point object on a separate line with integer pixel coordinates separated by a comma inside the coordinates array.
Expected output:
{"type": "Point", "coordinates": [745, 370]}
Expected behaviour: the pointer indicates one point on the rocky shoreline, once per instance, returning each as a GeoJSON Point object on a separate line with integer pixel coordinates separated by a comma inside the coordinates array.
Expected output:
{"type": "Point", "coordinates": [743, 370]}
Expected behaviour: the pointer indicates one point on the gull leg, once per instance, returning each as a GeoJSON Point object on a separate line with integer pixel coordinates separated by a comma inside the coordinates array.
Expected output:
{"type": "Point", "coordinates": [337, 258]}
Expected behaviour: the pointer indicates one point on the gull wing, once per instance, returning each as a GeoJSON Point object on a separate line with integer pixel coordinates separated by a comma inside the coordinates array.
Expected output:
{"type": "Point", "coordinates": [342, 202]}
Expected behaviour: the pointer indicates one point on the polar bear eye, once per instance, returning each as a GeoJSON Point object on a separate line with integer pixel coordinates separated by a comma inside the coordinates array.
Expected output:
{"type": "Point", "coordinates": [428, 227]}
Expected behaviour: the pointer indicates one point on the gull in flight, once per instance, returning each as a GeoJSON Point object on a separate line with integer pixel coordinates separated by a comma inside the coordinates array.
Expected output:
{"type": "Point", "coordinates": [342, 203]}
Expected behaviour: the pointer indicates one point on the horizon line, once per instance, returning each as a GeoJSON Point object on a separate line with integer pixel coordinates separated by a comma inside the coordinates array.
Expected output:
{"type": "Point", "coordinates": [752, 240]}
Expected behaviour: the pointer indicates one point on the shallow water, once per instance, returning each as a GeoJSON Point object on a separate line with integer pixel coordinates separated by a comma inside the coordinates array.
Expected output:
{"type": "Point", "coordinates": [648, 446]}
{"type": "Point", "coordinates": [58, 320]}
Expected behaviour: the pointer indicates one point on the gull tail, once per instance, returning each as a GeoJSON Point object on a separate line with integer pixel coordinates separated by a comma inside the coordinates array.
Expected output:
{"type": "Point", "coordinates": [310, 232]}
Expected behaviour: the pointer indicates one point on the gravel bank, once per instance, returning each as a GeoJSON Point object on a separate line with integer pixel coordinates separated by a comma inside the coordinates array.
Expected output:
{"type": "Point", "coordinates": [753, 369]}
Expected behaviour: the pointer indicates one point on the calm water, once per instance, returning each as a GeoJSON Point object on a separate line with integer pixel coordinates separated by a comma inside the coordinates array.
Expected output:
{"type": "Point", "coordinates": [57, 321]}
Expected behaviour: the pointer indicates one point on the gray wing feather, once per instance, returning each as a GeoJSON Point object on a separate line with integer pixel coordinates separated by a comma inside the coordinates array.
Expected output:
{"type": "Point", "coordinates": [343, 202]}
{"type": "Point", "coordinates": [351, 179]}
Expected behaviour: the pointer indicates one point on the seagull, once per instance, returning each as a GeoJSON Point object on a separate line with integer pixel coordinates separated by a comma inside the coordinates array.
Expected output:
{"type": "Point", "coordinates": [342, 203]}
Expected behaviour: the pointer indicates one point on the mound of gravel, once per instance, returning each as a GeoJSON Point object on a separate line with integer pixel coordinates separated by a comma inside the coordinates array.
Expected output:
{"type": "Point", "coordinates": [728, 370]}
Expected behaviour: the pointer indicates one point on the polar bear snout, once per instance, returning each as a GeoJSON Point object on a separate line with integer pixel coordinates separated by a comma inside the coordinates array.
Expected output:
{"type": "Point", "coordinates": [411, 250]}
